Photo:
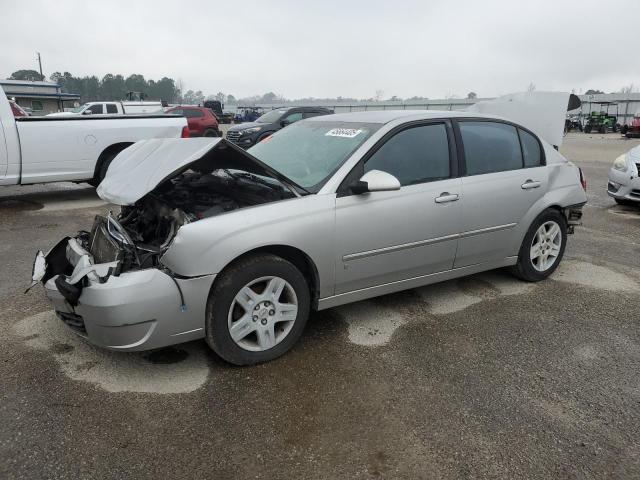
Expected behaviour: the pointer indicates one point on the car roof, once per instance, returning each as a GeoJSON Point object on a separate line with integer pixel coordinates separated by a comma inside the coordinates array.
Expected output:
{"type": "Point", "coordinates": [386, 116]}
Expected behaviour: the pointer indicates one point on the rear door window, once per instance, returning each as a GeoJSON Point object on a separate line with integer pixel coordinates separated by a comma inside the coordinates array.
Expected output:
{"type": "Point", "coordinates": [111, 108]}
{"type": "Point", "coordinates": [490, 147]}
{"type": "Point", "coordinates": [415, 155]}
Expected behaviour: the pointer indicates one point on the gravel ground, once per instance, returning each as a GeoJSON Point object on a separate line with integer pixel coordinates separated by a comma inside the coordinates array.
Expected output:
{"type": "Point", "coordinates": [480, 377]}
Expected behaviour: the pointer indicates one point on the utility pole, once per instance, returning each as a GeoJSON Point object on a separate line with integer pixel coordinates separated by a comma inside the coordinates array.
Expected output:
{"type": "Point", "coordinates": [40, 64]}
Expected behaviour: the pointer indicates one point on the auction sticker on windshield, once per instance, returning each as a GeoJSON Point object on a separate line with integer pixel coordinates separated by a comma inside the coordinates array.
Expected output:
{"type": "Point", "coordinates": [343, 132]}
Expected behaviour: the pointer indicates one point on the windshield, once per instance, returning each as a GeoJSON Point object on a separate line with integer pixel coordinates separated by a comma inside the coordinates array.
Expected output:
{"type": "Point", "coordinates": [271, 116]}
{"type": "Point", "coordinates": [308, 153]}
{"type": "Point", "coordinates": [80, 108]}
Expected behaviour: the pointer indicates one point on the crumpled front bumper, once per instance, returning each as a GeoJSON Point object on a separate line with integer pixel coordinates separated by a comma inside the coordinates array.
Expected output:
{"type": "Point", "coordinates": [131, 311]}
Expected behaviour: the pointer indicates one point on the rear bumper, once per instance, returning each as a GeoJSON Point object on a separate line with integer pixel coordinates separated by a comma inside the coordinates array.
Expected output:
{"type": "Point", "coordinates": [136, 310]}
{"type": "Point", "coordinates": [624, 185]}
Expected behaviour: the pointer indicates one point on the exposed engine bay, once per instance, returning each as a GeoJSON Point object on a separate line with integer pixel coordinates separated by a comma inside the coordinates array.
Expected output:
{"type": "Point", "coordinates": [141, 232]}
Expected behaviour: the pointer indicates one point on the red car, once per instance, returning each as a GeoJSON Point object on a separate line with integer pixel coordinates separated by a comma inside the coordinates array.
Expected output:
{"type": "Point", "coordinates": [17, 110]}
{"type": "Point", "coordinates": [202, 122]}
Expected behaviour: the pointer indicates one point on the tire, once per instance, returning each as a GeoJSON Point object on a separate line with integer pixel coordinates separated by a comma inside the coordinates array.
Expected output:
{"type": "Point", "coordinates": [259, 336]}
{"type": "Point", "coordinates": [532, 270]}
{"type": "Point", "coordinates": [104, 166]}
{"type": "Point", "coordinates": [602, 129]}
{"type": "Point", "coordinates": [587, 129]}
{"type": "Point", "coordinates": [263, 136]}
{"type": "Point", "coordinates": [210, 133]}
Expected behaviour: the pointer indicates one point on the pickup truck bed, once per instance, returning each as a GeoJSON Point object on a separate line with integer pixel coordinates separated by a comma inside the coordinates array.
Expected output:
{"type": "Point", "coordinates": [72, 148]}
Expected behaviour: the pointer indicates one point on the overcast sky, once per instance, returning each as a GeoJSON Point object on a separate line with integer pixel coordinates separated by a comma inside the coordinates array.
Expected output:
{"type": "Point", "coordinates": [330, 48]}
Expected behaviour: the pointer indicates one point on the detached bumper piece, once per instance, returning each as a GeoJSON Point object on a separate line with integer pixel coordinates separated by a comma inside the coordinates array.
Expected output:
{"type": "Point", "coordinates": [574, 216]}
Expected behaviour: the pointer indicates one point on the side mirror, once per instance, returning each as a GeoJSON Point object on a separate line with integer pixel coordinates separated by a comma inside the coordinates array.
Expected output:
{"type": "Point", "coordinates": [284, 123]}
{"type": "Point", "coordinates": [87, 112]}
{"type": "Point", "coordinates": [375, 181]}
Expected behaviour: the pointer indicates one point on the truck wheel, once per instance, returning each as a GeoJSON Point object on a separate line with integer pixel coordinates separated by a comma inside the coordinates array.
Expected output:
{"type": "Point", "coordinates": [103, 169]}
{"type": "Point", "coordinates": [602, 129]}
{"type": "Point", "coordinates": [587, 129]}
{"type": "Point", "coordinates": [542, 248]}
{"type": "Point", "coordinates": [264, 135]}
{"type": "Point", "coordinates": [210, 132]}
{"type": "Point", "coordinates": [257, 310]}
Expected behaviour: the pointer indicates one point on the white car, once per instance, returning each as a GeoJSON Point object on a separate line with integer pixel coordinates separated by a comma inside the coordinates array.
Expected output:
{"type": "Point", "coordinates": [624, 178]}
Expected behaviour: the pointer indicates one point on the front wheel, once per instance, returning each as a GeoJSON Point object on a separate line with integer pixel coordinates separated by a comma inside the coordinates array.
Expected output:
{"type": "Point", "coordinates": [210, 133]}
{"type": "Point", "coordinates": [257, 310]}
{"type": "Point", "coordinates": [542, 248]}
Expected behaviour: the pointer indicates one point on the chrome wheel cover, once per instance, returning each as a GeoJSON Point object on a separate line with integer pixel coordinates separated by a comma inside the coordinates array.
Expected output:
{"type": "Point", "coordinates": [262, 313]}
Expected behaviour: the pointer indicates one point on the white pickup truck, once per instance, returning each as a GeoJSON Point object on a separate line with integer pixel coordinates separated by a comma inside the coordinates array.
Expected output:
{"type": "Point", "coordinates": [72, 148]}
{"type": "Point", "coordinates": [113, 108]}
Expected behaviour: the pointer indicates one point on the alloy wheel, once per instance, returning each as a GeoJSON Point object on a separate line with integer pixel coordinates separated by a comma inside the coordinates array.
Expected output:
{"type": "Point", "coordinates": [545, 246]}
{"type": "Point", "coordinates": [262, 313]}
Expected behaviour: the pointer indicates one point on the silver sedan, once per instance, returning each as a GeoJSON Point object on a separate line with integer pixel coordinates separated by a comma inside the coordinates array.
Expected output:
{"type": "Point", "coordinates": [237, 247]}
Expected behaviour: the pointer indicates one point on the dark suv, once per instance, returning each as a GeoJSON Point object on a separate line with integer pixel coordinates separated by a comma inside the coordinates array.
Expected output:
{"type": "Point", "coordinates": [248, 134]}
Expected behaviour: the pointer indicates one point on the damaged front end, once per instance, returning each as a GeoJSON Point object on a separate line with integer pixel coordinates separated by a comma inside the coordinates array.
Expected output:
{"type": "Point", "coordinates": [109, 285]}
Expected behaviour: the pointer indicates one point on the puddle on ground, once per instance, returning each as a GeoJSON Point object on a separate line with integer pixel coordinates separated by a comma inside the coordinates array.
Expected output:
{"type": "Point", "coordinates": [373, 325]}
{"type": "Point", "coordinates": [13, 205]}
{"type": "Point", "coordinates": [170, 370]}
{"type": "Point", "coordinates": [595, 276]}
{"type": "Point", "coordinates": [631, 211]}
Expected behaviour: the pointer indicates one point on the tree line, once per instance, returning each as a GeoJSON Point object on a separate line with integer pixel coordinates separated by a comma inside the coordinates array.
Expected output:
{"type": "Point", "coordinates": [113, 87]}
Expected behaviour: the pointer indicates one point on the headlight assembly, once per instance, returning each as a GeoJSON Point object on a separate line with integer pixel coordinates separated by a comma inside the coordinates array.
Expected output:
{"type": "Point", "coordinates": [250, 130]}
{"type": "Point", "coordinates": [620, 163]}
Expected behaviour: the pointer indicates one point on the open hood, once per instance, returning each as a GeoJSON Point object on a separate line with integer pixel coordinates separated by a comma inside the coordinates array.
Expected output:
{"type": "Point", "coordinates": [143, 166]}
{"type": "Point", "coordinates": [541, 112]}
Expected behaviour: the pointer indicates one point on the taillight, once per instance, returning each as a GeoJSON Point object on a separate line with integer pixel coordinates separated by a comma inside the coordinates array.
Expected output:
{"type": "Point", "coordinates": [185, 132]}
{"type": "Point", "coordinates": [583, 181]}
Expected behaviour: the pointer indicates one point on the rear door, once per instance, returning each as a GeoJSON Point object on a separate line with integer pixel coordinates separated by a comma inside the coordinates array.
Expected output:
{"type": "Point", "coordinates": [384, 237]}
{"type": "Point", "coordinates": [504, 176]}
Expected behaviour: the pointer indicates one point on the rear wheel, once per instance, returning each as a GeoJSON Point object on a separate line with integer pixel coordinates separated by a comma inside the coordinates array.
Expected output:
{"type": "Point", "coordinates": [210, 132]}
{"type": "Point", "coordinates": [587, 129]}
{"type": "Point", "coordinates": [104, 166]}
{"type": "Point", "coordinates": [542, 248]}
{"type": "Point", "coordinates": [257, 310]}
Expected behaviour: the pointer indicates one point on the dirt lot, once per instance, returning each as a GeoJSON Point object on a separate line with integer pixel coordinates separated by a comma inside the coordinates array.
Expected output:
{"type": "Point", "coordinates": [480, 377]}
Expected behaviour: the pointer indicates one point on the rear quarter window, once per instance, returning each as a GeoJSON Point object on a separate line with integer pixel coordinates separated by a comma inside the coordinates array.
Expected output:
{"type": "Point", "coordinates": [530, 149]}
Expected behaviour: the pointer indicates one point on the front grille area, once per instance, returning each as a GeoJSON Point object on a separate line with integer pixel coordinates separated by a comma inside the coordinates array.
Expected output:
{"type": "Point", "coordinates": [103, 248]}
{"type": "Point", "coordinates": [74, 321]}
{"type": "Point", "coordinates": [233, 136]}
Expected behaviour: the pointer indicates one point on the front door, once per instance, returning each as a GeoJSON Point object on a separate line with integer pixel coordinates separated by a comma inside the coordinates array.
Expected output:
{"type": "Point", "coordinates": [384, 237]}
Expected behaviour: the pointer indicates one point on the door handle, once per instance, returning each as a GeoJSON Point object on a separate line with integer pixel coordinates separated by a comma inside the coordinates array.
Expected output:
{"type": "Point", "coordinates": [529, 184]}
{"type": "Point", "coordinates": [446, 197]}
